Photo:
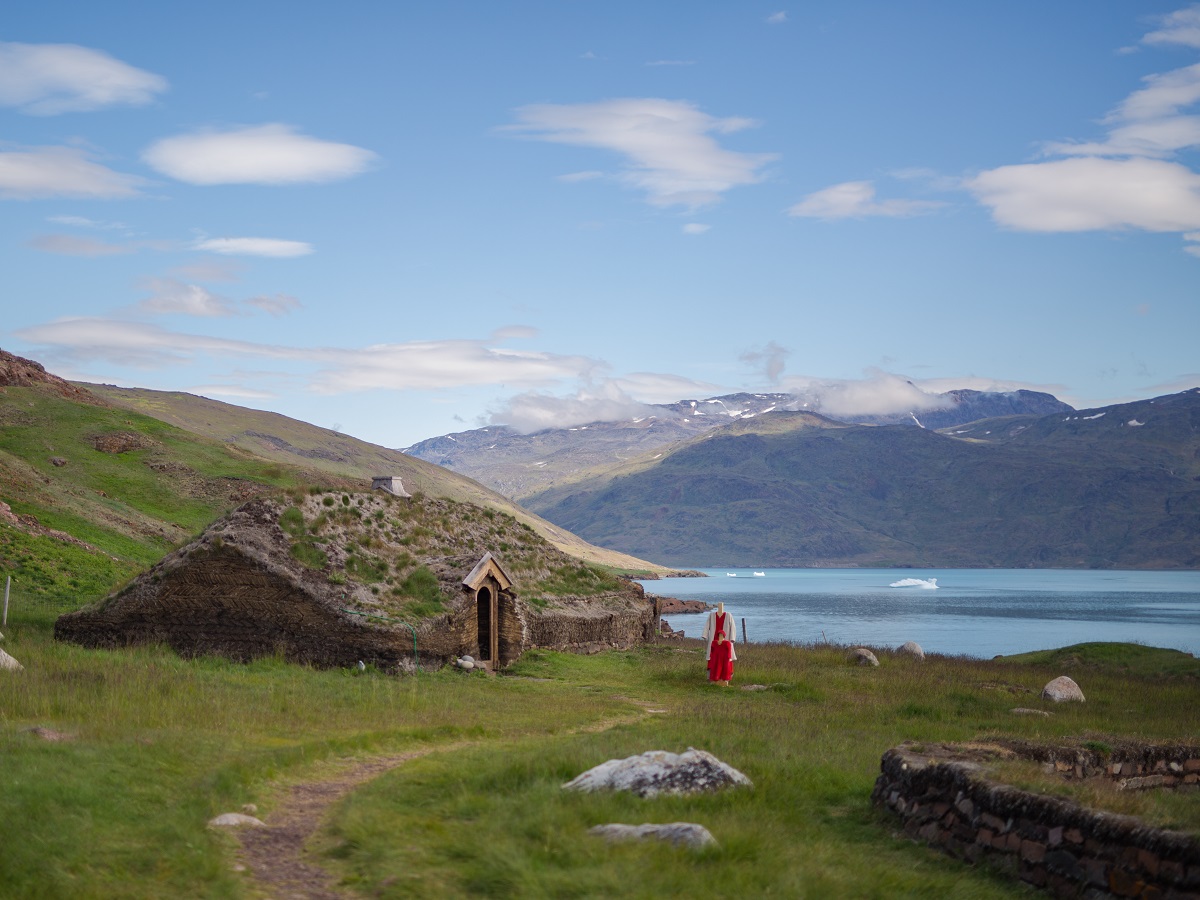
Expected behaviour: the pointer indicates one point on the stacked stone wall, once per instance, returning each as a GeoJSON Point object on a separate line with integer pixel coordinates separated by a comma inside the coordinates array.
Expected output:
{"type": "Point", "coordinates": [621, 623]}
{"type": "Point", "coordinates": [945, 800]}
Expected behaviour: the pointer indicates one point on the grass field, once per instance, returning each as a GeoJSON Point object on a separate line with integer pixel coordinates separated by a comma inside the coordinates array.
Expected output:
{"type": "Point", "coordinates": [160, 744]}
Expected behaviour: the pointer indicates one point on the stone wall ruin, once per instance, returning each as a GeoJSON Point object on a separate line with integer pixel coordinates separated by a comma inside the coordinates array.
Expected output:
{"type": "Point", "coordinates": [944, 798]}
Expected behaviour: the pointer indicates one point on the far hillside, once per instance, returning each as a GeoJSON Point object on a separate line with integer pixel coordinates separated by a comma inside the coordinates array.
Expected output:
{"type": "Point", "coordinates": [1117, 487]}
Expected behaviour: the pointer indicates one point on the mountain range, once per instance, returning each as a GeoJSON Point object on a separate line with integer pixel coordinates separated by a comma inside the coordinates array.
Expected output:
{"type": "Point", "coordinates": [520, 465]}
{"type": "Point", "coordinates": [1117, 486]}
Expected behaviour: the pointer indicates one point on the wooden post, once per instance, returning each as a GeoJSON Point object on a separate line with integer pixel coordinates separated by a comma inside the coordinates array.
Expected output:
{"type": "Point", "coordinates": [744, 638]}
{"type": "Point", "coordinates": [7, 585]}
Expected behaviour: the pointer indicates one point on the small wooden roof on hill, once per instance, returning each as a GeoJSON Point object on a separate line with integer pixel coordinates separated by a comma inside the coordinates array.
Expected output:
{"type": "Point", "coordinates": [486, 566]}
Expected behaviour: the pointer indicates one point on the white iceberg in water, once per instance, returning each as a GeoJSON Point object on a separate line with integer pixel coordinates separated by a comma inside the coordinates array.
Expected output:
{"type": "Point", "coordinates": [927, 583]}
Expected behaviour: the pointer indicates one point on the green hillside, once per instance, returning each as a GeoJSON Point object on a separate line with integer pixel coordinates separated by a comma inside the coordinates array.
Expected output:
{"type": "Point", "coordinates": [275, 437]}
{"type": "Point", "coordinates": [91, 492]}
{"type": "Point", "coordinates": [1092, 491]}
{"type": "Point", "coordinates": [119, 488]}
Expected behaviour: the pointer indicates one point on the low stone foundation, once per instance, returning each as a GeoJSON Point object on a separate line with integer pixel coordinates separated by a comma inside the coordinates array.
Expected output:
{"type": "Point", "coordinates": [945, 799]}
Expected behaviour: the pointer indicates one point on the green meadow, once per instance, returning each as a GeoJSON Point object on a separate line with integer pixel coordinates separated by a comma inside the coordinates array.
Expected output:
{"type": "Point", "coordinates": [158, 744]}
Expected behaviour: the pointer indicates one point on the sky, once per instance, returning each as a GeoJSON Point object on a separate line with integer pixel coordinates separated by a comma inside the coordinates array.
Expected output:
{"type": "Point", "coordinates": [400, 220]}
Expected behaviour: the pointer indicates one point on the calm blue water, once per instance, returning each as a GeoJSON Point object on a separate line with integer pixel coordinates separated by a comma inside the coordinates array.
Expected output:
{"type": "Point", "coordinates": [976, 612]}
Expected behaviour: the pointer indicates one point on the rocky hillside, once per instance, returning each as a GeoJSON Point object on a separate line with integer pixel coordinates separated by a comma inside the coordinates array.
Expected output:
{"type": "Point", "coordinates": [1113, 487]}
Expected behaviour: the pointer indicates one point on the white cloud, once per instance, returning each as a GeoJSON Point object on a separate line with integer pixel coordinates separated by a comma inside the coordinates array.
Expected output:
{"type": "Point", "coordinates": [572, 177]}
{"type": "Point", "coordinates": [39, 172]}
{"type": "Point", "coordinates": [73, 245]}
{"type": "Point", "coordinates": [1128, 180]}
{"type": "Point", "coordinates": [210, 270]}
{"type": "Point", "coordinates": [426, 365]}
{"type": "Point", "coordinates": [660, 387]}
{"type": "Point", "coordinates": [230, 390]}
{"type": "Point", "coordinates": [669, 150]}
{"type": "Point", "coordinates": [83, 222]}
{"type": "Point", "coordinates": [263, 154]}
{"type": "Point", "coordinates": [880, 393]}
{"type": "Point", "coordinates": [1092, 193]}
{"type": "Point", "coordinates": [1179, 27]}
{"type": "Point", "coordinates": [279, 305]}
{"type": "Point", "coordinates": [171, 297]}
{"type": "Point", "coordinates": [777, 18]}
{"type": "Point", "coordinates": [248, 246]}
{"type": "Point", "coordinates": [535, 410]}
{"type": "Point", "coordinates": [854, 200]}
{"type": "Point", "coordinates": [48, 79]}
{"type": "Point", "coordinates": [772, 359]}
{"type": "Point", "coordinates": [695, 228]}
{"type": "Point", "coordinates": [1164, 95]}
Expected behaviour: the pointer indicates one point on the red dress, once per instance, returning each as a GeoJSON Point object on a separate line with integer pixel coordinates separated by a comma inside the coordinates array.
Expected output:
{"type": "Point", "coordinates": [720, 660]}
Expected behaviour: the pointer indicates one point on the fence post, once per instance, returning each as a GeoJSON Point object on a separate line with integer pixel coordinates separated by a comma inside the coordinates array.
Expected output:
{"type": "Point", "coordinates": [745, 639]}
{"type": "Point", "coordinates": [7, 585]}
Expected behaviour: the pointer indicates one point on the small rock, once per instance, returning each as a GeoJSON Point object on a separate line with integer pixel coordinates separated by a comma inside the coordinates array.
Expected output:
{"type": "Point", "coordinates": [468, 658]}
{"type": "Point", "coordinates": [913, 649]}
{"type": "Point", "coordinates": [249, 808]}
{"type": "Point", "coordinates": [49, 734]}
{"type": "Point", "coordinates": [864, 657]}
{"type": "Point", "coordinates": [235, 820]}
{"type": "Point", "coordinates": [660, 772]}
{"type": "Point", "coordinates": [681, 834]}
{"type": "Point", "coordinates": [57, 461]}
{"type": "Point", "coordinates": [465, 664]}
{"type": "Point", "coordinates": [754, 687]}
{"type": "Point", "coordinates": [1023, 711]}
{"type": "Point", "coordinates": [1062, 690]}
{"type": "Point", "coordinates": [7, 662]}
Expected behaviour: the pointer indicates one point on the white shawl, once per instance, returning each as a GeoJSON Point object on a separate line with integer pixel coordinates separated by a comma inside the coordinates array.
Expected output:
{"type": "Point", "coordinates": [710, 632]}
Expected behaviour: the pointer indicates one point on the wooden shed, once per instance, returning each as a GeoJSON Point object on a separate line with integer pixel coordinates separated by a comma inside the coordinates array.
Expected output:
{"type": "Point", "coordinates": [500, 623]}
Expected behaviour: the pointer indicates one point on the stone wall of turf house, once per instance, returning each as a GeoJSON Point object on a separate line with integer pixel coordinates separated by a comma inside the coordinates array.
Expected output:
{"type": "Point", "coordinates": [240, 591]}
{"type": "Point", "coordinates": [944, 798]}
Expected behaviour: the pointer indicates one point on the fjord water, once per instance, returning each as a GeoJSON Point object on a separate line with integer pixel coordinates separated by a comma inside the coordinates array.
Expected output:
{"type": "Point", "coordinates": [973, 612]}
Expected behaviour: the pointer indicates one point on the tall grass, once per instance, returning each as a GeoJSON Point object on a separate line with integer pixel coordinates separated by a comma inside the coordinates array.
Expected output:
{"type": "Point", "coordinates": [495, 822]}
{"type": "Point", "coordinates": [160, 744]}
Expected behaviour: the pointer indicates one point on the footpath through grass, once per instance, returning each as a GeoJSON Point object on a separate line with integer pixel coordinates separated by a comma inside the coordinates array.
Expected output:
{"type": "Point", "coordinates": [162, 744]}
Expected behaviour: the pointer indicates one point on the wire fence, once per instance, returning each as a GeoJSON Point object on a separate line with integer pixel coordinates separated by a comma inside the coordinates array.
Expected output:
{"type": "Point", "coordinates": [19, 605]}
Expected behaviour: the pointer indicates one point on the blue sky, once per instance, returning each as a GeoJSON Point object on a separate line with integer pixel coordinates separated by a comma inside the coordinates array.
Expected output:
{"type": "Point", "coordinates": [402, 220]}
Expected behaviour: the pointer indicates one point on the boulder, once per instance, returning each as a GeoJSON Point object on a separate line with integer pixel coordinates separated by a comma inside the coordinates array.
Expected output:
{"type": "Point", "coordinates": [1062, 690]}
{"type": "Point", "coordinates": [235, 820]}
{"type": "Point", "coordinates": [681, 834]}
{"type": "Point", "coordinates": [7, 662]}
{"type": "Point", "coordinates": [863, 657]}
{"type": "Point", "coordinates": [661, 772]}
{"type": "Point", "coordinates": [913, 649]}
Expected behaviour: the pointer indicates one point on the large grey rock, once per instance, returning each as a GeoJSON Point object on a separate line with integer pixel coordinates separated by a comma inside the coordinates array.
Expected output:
{"type": "Point", "coordinates": [7, 662]}
{"type": "Point", "coordinates": [863, 657]}
{"type": "Point", "coordinates": [681, 834]}
{"type": "Point", "coordinates": [660, 772]}
{"type": "Point", "coordinates": [913, 649]}
{"type": "Point", "coordinates": [235, 820]}
{"type": "Point", "coordinates": [1062, 690]}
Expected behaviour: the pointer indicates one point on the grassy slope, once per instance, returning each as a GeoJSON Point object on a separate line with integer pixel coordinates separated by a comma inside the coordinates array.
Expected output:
{"type": "Point", "coordinates": [130, 507]}
{"type": "Point", "coordinates": [161, 744]}
{"type": "Point", "coordinates": [276, 437]}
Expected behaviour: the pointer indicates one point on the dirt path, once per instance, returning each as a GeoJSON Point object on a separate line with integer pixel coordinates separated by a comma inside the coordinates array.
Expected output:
{"type": "Point", "coordinates": [276, 855]}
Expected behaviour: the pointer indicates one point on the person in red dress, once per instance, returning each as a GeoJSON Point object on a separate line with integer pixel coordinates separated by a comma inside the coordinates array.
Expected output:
{"type": "Point", "coordinates": [720, 660]}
